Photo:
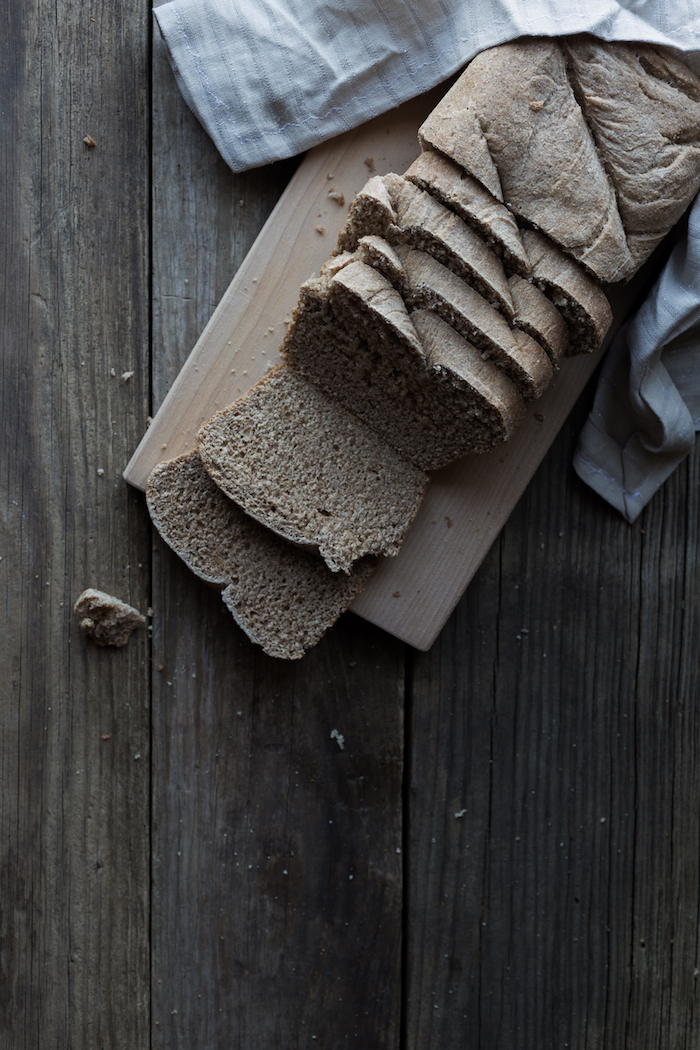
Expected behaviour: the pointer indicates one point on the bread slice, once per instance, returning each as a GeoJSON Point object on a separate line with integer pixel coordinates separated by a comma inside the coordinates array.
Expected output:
{"type": "Point", "coordinates": [284, 598]}
{"type": "Point", "coordinates": [432, 286]}
{"type": "Point", "coordinates": [403, 214]}
{"type": "Point", "coordinates": [352, 336]}
{"type": "Point", "coordinates": [643, 106]}
{"type": "Point", "coordinates": [538, 316]}
{"type": "Point", "coordinates": [465, 195]}
{"type": "Point", "coordinates": [580, 300]}
{"type": "Point", "coordinates": [512, 121]}
{"type": "Point", "coordinates": [371, 212]}
{"type": "Point", "coordinates": [424, 282]}
{"type": "Point", "coordinates": [450, 354]}
{"type": "Point", "coordinates": [306, 467]}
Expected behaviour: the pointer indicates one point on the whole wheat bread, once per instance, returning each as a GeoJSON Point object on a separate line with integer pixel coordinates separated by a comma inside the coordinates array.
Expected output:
{"type": "Point", "coordinates": [460, 191]}
{"type": "Point", "coordinates": [513, 122]}
{"type": "Point", "coordinates": [284, 598]}
{"type": "Point", "coordinates": [643, 106]}
{"type": "Point", "coordinates": [350, 335]}
{"type": "Point", "coordinates": [310, 470]}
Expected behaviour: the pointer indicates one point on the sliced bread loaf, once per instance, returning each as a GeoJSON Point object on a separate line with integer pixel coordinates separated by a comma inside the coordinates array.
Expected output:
{"type": "Point", "coordinates": [352, 335]}
{"type": "Point", "coordinates": [512, 121]}
{"type": "Point", "coordinates": [424, 282]}
{"type": "Point", "coordinates": [579, 299]}
{"type": "Point", "coordinates": [465, 195]}
{"type": "Point", "coordinates": [284, 598]}
{"type": "Point", "coordinates": [432, 286]}
{"type": "Point", "coordinates": [306, 467]}
{"type": "Point", "coordinates": [402, 213]}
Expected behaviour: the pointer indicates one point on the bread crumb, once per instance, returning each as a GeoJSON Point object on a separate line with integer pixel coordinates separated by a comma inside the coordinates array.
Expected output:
{"type": "Point", "coordinates": [330, 175]}
{"type": "Point", "coordinates": [539, 417]}
{"type": "Point", "coordinates": [337, 196]}
{"type": "Point", "coordinates": [449, 521]}
{"type": "Point", "coordinates": [126, 376]}
{"type": "Point", "coordinates": [335, 735]}
{"type": "Point", "coordinates": [113, 372]}
{"type": "Point", "coordinates": [536, 106]}
{"type": "Point", "coordinates": [460, 813]}
{"type": "Point", "coordinates": [524, 630]}
{"type": "Point", "coordinates": [161, 667]}
{"type": "Point", "coordinates": [353, 663]}
{"type": "Point", "coordinates": [321, 230]}
{"type": "Point", "coordinates": [397, 594]}
{"type": "Point", "coordinates": [105, 736]}
{"type": "Point", "coordinates": [106, 619]}
{"type": "Point", "coordinates": [369, 161]}
{"type": "Point", "coordinates": [100, 472]}
{"type": "Point", "coordinates": [89, 141]}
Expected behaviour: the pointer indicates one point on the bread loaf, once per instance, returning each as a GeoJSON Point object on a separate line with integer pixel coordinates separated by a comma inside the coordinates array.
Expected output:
{"type": "Point", "coordinates": [551, 168]}
{"type": "Point", "coordinates": [513, 122]}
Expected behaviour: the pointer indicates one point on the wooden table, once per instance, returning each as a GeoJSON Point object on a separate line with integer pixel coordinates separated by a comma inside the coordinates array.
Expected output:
{"type": "Point", "coordinates": [504, 854]}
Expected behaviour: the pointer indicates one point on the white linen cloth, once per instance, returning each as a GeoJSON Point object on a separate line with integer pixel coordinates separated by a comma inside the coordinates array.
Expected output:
{"type": "Point", "coordinates": [271, 78]}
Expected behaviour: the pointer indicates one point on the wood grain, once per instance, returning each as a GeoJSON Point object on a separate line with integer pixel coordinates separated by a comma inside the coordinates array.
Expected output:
{"type": "Point", "coordinates": [549, 745]}
{"type": "Point", "coordinates": [74, 807]}
{"type": "Point", "coordinates": [277, 885]}
{"type": "Point", "coordinates": [508, 937]}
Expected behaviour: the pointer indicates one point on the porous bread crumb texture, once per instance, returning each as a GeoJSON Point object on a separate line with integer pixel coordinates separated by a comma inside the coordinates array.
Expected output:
{"type": "Point", "coordinates": [105, 619]}
{"type": "Point", "coordinates": [307, 468]}
{"type": "Point", "coordinates": [282, 597]}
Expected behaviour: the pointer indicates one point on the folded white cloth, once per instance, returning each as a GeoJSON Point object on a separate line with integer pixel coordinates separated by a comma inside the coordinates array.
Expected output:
{"type": "Point", "coordinates": [271, 78]}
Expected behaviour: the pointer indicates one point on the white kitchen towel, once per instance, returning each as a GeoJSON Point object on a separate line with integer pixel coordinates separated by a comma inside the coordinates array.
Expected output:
{"type": "Point", "coordinates": [270, 78]}
{"type": "Point", "coordinates": [647, 403]}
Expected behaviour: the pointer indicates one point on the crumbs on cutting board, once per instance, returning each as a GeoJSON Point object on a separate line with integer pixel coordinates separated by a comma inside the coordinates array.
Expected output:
{"type": "Point", "coordinates": [337, 196]}
{"type": "Point", "coordinates": [320, 229]}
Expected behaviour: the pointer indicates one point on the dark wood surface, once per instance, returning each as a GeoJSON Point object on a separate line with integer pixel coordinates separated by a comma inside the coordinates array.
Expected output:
{"type": "Point", "coordinates": [504, 854]}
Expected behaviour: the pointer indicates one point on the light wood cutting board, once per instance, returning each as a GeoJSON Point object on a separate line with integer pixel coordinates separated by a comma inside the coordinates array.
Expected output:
{"type": "Point", "coordinates": [468, 502]}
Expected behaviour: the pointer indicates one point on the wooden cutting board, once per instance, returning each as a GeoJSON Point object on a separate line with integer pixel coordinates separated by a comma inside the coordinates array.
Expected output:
{"type": "Point", "coordinates": [468, 502]}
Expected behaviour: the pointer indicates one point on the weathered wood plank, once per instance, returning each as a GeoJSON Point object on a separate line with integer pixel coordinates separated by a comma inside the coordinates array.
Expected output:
{"type": "Point", "coordinates": [277, 894]}
{"type": "Point", "coordinates": [561, 907]}
{"type": "Point", "coordinates": [73, 806]}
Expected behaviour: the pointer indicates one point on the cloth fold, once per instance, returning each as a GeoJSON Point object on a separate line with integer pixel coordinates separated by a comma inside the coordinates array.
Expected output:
{"type": "Point", "coordinates": [647, 404]}
{"type": "Point", "coordinates": [271, 78]}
